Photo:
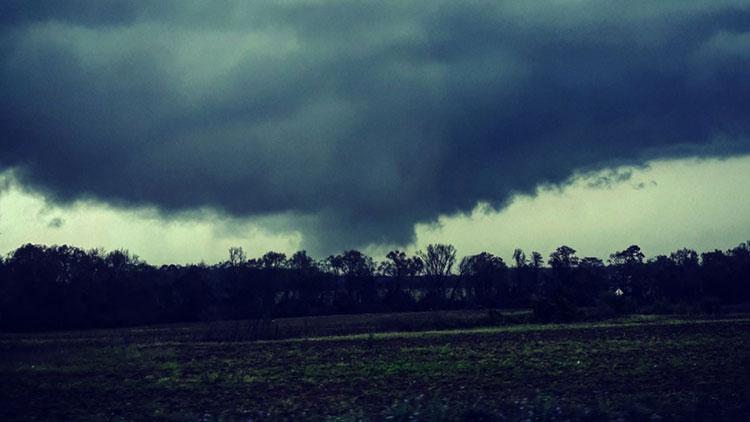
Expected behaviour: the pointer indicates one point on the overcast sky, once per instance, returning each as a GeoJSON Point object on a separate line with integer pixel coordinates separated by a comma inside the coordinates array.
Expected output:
{"type": "Point", "coordinates": [178, 128]}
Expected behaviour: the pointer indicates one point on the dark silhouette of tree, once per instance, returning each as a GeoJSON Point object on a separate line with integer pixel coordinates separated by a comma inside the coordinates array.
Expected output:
{"type": "Point", "coordinates": [630, 256]}
{"type": "Point", "coordinates": [740, 263]}
{"type": "Point", "coordinates": [524, 275]}
{"type": "Point", "coordinates": [62, 287]}
{"type": "Point", "coordinates": [335, 264]}
{"type": "Point", "coordinates": [307, 286]}
{"type": "Point", "coordinates": [687, 262]}
{"type": "Point", "coordinates": [562, 261]}
{"type": "Point", "coordinates": [438, 260]}
{"type": "Point", "coordinates": [520, 258]}
{"type": "Point", "coordinates": [357, 264]}
{"type": "Point", "coordinates": [194, 300]}
{"type": "Point", "coordinates": [237, 256]}
{"type": "Point", "coordinates": [537, 261]}
{"type": "Point", "coordinates": [591, 262]}
{"type": "Point", "coordinates": [628, 267]}
{"type": "Point", "coordinates": [526, 289]}
{"type": "Point", "coordinates": [273, 260]}
{"type": "Point", "coordinates": [357, 270]}
{"type": "Point", "coordinates": [563, 258]}
{"type": "Point", "coordinates": [716, 277]}
{"type": "Point", "coordinates": [400, 265]}
{"type": "Point", "coordinates": [486, 276]}
{"type": "Point", "coordinates": [556, 295]}
{"type": "Point", "coordinates": [664, 278]}
{"type": "Point", "coordinates": [303, 263]}
{"type": "Point", "coordinates": [399, 268]}
{"type": "Point", "coordinates": [589, 281]}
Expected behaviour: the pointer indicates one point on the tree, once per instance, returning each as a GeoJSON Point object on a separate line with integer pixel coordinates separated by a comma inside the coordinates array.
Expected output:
{"type": "Point", "coordinates": [628, 269]}
{"type": "Point", "coordinates": [520, 258]}
{"type": "Point", "coordinates": [357, 270]}
{"type": "Point", "coordinates": [438, 262]}
{"type": "Point", "coordinates": [716, 277]}
{"type": "Point", "coordinates": [589, 281]}
{"type": "Point", "coordinates": [687, 264]}
{"type": "Point", "coordinates": [303, 263]}
{"type": "Point", "coordinates": [399, 267]}
{"type": "Point", "coordinates": [356, 264]}
{"type": "Point", "coordinates": [524, 274]}
{"type": "Point", "coordinates": [740, 256]}
{"type": "Point", "coordinates": [237, 256]}
{"type": "Point", "coordinates": [563, 258]}
{"type": "Point", "coordinates": [486, 275]}
{"type": "Point", "coordinates": [630, 256]}
{"type": "Point", "coordinates": [562, 261]}
{"type": "Point", "coordinates": [438, 259]}
{"type": "Point", "coordinates": [308, 281]}
{"type": "Point", "coordinates": [536, 263]}
{"type": "Point", "coordinates": [119, 260]}
{"type": "Point", "coordinates": [664, 278]}
{"type": "Point", "coordinates": [591, 262]}
{"type": "Point", "coordinates": [273, 260]}
{"type": "Point", "coordinates": [536, 260]}
{"type": "Point", "coordinates": [334, 264]}
{"type": "Point", "coordinates": [64, 287]}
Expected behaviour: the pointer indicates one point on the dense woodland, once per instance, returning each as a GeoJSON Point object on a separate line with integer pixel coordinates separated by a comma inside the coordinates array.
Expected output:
{"type": "Point", "coordinates": [63, 287]}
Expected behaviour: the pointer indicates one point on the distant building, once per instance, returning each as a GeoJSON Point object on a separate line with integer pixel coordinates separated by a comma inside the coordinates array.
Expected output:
{"type": "Point", "coordinates": [619, 292]}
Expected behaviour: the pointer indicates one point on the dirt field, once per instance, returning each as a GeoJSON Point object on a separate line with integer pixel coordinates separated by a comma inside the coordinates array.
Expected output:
{"type": "Point", "coordinates": [639, 368]}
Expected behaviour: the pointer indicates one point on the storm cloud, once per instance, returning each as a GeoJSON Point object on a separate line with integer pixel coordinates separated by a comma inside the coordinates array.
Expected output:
{"type": "Point", "coordinates": [358, 119]}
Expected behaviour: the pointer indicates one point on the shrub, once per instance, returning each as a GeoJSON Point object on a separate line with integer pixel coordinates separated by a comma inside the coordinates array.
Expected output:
{"type": "Point", "coordinates": [710, 305]}
{"type": "Point", "coordinates": [660, 307]}
{"type": "Point", "coordinates": [555, 308]}
{"type": "Point", "coordinates": [610, 305]}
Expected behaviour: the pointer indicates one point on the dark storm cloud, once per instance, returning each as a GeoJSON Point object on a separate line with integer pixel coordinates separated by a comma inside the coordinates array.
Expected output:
{"type": "Point", "coordinates": [608, 179]}
{"type": "Point", "coordinates": [56, 223]}
{"type": "Point", "coordinates": [360, 118]}
{"type": "Point", "coordinates": [20, 12]}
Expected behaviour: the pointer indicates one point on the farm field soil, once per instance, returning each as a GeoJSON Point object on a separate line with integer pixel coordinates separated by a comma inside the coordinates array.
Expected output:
{"type": "Point", "coordinates": [296, 327]}
{"type": "Point", "coordinates": [654, 369]}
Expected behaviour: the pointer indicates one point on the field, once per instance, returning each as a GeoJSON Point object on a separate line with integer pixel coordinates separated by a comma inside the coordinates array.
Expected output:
{"type": "Point", "coordinates": [651, 368]}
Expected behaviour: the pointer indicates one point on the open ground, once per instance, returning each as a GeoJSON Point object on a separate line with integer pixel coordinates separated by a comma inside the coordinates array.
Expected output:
{"type": "Point", "coordinates": [339, 368]}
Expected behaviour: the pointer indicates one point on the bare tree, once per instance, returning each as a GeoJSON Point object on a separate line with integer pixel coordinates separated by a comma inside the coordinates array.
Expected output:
{"type": "Point", "coordinates": [236, 256]}
{"type": "Point", "coordinates": [438, 259]}
{"type": "Point", "coordinates": [438, 262]}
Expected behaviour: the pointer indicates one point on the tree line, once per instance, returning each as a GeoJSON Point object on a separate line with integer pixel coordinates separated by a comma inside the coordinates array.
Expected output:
{"type": "Point", "coordinates": [64, 287]}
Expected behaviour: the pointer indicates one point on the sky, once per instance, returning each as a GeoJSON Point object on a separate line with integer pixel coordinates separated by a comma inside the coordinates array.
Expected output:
{"type": "Point", "coordinates": [179, 128]}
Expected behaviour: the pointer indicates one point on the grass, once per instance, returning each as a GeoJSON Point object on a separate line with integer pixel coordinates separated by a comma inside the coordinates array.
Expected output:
{"type": "Point", "coordinates": [638, 367]}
